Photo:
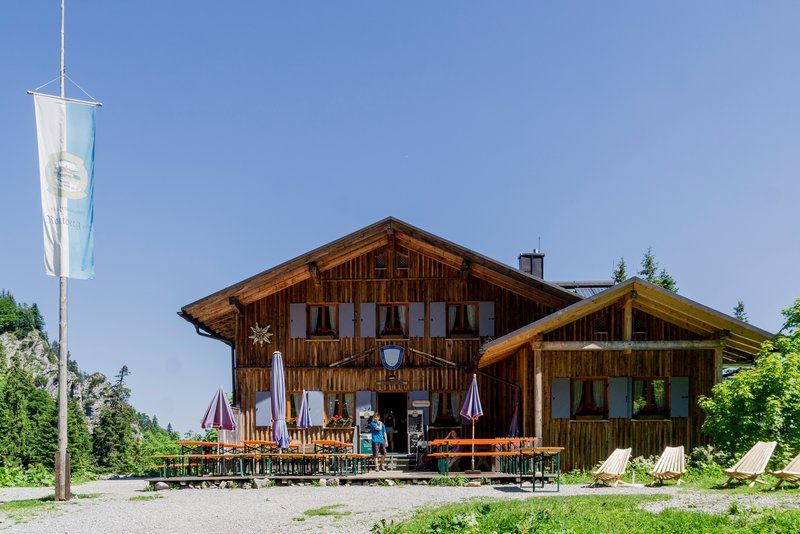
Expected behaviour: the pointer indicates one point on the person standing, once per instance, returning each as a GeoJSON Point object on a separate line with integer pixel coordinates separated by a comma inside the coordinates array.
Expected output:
{"type": "Point", "coordinates": [388, 420]}
{"type": "Point", "coordinates": [378, 430]}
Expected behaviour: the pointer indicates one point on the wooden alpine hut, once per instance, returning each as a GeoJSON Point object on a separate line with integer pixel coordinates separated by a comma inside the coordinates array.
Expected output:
{"type": "Point", "coordinates": [590, 366]}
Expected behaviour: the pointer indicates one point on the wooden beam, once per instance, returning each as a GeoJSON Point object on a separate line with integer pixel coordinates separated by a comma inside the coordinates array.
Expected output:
{"type": "Point", "coordinates": [572, 346]}
{"type": "Point", "coordinates": [627, 325]}
{"type": "Point", "coordinates": [465, 267]}
{"type": "Point", "coordinates": [538, 396]}
{"type": "Point", "coordinates": [314, 271]}
{"type": "Point", "coordinates": [237, 306]}
{"type": "Point", "coordinates": [718, 364]}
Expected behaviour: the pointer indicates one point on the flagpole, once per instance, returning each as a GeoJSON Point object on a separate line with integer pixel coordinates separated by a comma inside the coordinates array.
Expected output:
{"type": "Point", "coordinates": [62, 482]}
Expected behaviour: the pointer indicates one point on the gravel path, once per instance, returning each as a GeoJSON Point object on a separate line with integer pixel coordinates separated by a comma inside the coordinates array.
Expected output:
{"type": "Point", "coordinates": [279, 508]}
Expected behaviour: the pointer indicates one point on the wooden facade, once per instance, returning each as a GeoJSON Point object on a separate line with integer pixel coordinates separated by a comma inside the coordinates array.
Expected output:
{"type": "Point", "coordinates": [540, 333]}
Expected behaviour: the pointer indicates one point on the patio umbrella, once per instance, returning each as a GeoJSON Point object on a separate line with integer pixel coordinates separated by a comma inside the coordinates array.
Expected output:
{"type": "Point", "coordinates": [219, 415]}
{"type": "Point", "coordinates": [280, 434]}
{"type": "Point", "coordinates": [304, 414]}
{"type": "Point", "coordinates": [513, 428]}
{"type": "Point", "coordinates": [472, 409]}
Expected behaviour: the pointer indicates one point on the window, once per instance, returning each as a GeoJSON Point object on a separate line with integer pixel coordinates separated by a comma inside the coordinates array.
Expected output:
{"type": "Point", "coordinates": [293, 400]}
{"type": "Point", "coordinates": [444, 408]}
{"type": "Point", "coordinates": [380, 261]}
{"type": "Point", "coordinates": [600, 325]}
{"type": "Point", "coordinates": [588, 397]}
{"type": "Point", "coordinates": [462, 320]}
{"type": "Point", "coordinates": [402, 261]}
{"type": "Point", "coordinates": [650, 397]}
{"type": "Point", "coordinates": [339, 410]}
{"type": "Point", "coordinates": [322, 320]}
{"type": "Point", "coordinates": [392, 320]}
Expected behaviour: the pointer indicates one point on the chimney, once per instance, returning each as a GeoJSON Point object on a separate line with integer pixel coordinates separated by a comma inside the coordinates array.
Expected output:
{"type": "Point", "coordinates": [532, 263]}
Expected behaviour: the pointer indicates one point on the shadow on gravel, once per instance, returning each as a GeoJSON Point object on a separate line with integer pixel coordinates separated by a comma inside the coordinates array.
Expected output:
{"type": "Point", "coordinates": [511, 489]}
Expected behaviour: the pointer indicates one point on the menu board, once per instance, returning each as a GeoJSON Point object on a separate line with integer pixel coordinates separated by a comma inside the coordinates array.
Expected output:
{"type": "Point", "coordinates": [364, 419]}
{"type": "Point", "coordinates": [415, 422]}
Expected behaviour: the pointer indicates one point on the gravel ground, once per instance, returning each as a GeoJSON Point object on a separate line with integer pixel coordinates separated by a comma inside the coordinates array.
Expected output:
{"type": "Point", "coordinates": [238, 510]}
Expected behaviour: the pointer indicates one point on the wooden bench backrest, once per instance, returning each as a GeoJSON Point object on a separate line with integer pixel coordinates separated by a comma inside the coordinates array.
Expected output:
{"type": "Point", "coordinates": [756, 459]}
{"type": "Point", "coordinates": [616, 463]}
{"type": "Point", "coordinates": [671, 461]}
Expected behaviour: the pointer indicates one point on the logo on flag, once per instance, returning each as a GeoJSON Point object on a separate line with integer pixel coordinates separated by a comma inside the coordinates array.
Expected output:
{"type": "Point", "coordinates": [65, 133]}
{"type": "Point", "coordinates": [392, 356]}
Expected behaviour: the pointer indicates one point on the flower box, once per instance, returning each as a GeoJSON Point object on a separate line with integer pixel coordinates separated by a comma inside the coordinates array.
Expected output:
{"type": "Point", "coordinates": [650, 417]}
{"type": "Point", "coordinates": [471, 335]}
{"type": "Point", "coordinates": [392, 336]}
{"type": "Point", "coordinates": [321, 337]}
{"type": "Point", "coordinates": [590, 417]}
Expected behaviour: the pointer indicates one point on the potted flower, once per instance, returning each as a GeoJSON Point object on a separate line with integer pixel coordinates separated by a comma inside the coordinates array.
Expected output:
{"type": "Point", "coordinates": [337, 421]}
{"type": "Point", "coordinates": [462, 332]}
{"type": "Point", "coordinates": [291, 421]}
{"type": "Point", "coordinates": [323, 333]}
{"type": "Point", "coordinates": [392, 332]}
{"type": "Point", "coordinates": [651, 412]}
{"type": "Point", "coordinates": [590, 413]}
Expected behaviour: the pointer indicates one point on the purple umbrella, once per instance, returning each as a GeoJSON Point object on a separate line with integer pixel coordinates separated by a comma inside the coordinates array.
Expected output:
{"type": "Point", "coordinates": [513, 428]}
{"type": "Point", "coordinates": [472, 409]}
{"type": "Point", "coordinates": [219, 414]}
{"type": "Point", "coordinates": [304, 413]}
{"type": "Point", "coordinates": [280, 434]}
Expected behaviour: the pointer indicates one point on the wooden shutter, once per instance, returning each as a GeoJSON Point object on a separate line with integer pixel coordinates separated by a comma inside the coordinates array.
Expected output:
{"type": "Point", "coordinates": [619, 397]}
{"type": "Point", "coordinates": [486, 319]}
{"type": "Point", "coordinates": [438, 319]}
{"type": "Point", "coordinates": [560, 397]}
{"type": "Point", "coordinates": [297, 316]}
{"type": "Point", "coordinates": [263, 408]}
{"type": "Point", "coordinates": [316, 405]}
{"type": "Point", "coordinates": [366, 312]}
{"type": "Point", "coordinates": [426, 412]}
{"type": "Point", "coordinates": [416, 319]}
{"type": "Point", "coordinates": [679, 396]}
{"type": "Point", "coordinates": [347, 319]}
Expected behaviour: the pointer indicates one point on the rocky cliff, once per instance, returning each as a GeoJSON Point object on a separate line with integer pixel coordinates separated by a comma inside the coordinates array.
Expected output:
{"type": "Point", "coordinates": [92, 392]}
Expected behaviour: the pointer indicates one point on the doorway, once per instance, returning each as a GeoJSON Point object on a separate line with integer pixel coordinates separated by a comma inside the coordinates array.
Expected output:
{"type": "Point", "coordinates": [396, 405]}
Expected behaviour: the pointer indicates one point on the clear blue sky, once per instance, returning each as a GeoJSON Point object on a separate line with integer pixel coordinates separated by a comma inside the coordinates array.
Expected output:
{"type": "Point", "coordinates": [238, 135]}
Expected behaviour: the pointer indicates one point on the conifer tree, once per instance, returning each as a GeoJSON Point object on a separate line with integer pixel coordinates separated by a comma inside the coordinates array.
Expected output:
{"type": "Point", "coordinates": [650, 272]}
{"type": "Point", "coordinates": [114, 443]}
{"type": "Point", "coordinates": [14, 422]}
{"type": "Point", "coordinates": [739, 313]}
{"type": "Point", "coordinates": [619, 275]}
{"type": "Point", "coordinates": [80, 442]}
{"type": "Point", "coordinates": [43, 429]}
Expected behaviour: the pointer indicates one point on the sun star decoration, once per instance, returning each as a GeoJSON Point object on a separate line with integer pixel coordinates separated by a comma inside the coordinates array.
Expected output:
{"type": "Point", "coordinates": [260, 335]}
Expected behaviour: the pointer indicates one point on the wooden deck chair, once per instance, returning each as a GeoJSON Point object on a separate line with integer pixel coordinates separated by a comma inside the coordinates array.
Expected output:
{"type": "Point", "coordinates": [790, 473]}
{"type": "Point", "coordinates": [613, 468]}
{"type": "Point", "coordinates": [752, 464]}
{"type": "Point", "coordinates": [669, 466]}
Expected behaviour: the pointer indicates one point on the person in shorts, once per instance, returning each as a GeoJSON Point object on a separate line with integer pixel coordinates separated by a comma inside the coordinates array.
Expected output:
{"type": "Point", "coordinates": [378, 441]}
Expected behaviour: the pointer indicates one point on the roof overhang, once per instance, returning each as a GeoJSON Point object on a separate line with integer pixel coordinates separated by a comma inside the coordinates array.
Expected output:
{"type": "Point", "coordinates": [740, 340]}
{"type": "Point", "coordinates": [216, 312]}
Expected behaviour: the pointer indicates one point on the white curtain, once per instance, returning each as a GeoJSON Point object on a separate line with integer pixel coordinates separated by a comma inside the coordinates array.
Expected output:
{"type": "Point", "coordinates": [294, 404]}
{"type": "Point", "coordinates": [331, 405]}
{"type": "Point", "coordinates": [313, 315]}
{"type": "Point", "coordinates": [454, 409]}
{"type": "Point", "coordinates": [471, 316]}
{"type": "Point", "coordinates": [348, 404]}
{"type": "Point", "coordinates": [400, 312]}
{"type": "Point", "coordinates": [331, 317]}
{"type": "Point", "coordinates": [577, 394]}
{"type": "Point", "coordinates": [435, 406]}
{"type": "Point", "coordinates": [659, 394]}
{"type": "Point", "coordinates": [452, 314]}
{"type": "Point", "coordinates": [598, 394]}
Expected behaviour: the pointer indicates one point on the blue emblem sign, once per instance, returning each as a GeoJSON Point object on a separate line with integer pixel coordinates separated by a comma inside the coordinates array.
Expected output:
{"type": "Point", "coordinates": [392, 356]}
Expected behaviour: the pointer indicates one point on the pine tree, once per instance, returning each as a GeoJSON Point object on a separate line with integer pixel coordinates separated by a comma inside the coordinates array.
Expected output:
{"type": "Point", "coordinates": [80, 442]}
{"type": "Point", "coordinates": [114, 443]}
{"type": "Point", "coordinates": [619, 275]}
{"type": "Point", "coordinates": [739, 312]}
{"type": "Point", "coordinates": [14, 422]}
{"type": "Point", "coordinates": [43, 429]}
{"type": "Point", "coordinates": [666, 281]}
{"type": "Point", "coordinates": [649, 266]}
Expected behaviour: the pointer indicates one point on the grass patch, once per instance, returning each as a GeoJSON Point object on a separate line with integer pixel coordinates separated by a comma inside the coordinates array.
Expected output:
{"type": "Point", "coordinates": [146, 497]}
{"type": "Point", "coordinates": [606, 513]}
{"type": "Point", "coordinates": [26, 504]}
{"type": "Point", "coordinates": [443, 480]}
{"type": "Point", "coordinates": [329, 510]}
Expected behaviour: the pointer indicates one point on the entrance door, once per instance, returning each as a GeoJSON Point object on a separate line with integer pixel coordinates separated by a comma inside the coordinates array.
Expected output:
{"type": "Point", "coordinates": [395, 406]}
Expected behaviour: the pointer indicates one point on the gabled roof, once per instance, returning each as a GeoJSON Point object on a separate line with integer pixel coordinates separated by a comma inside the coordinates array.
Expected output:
{"type": "Point", "coordinates": [741, 339]}
{"type": "Point", "coordinates": [215, 313]}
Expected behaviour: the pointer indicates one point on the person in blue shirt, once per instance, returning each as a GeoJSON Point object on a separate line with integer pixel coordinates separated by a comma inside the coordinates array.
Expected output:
{"type": "Point", "coordinates": [378, 441]}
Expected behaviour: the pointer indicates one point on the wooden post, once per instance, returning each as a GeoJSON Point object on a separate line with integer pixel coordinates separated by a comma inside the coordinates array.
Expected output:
{"type": "Point", "coordinates": [718, 365]}
{"type": "Point", "coordinates": [538, 396]}
{"type": "Point", "coordinates": [627, 324]}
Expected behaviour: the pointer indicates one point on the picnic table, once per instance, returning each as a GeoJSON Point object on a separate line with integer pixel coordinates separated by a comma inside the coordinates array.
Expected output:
{"type": "Point", "coordinates": [502, 449]}
{"type": "Point", "coordinates": [547, 460]}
